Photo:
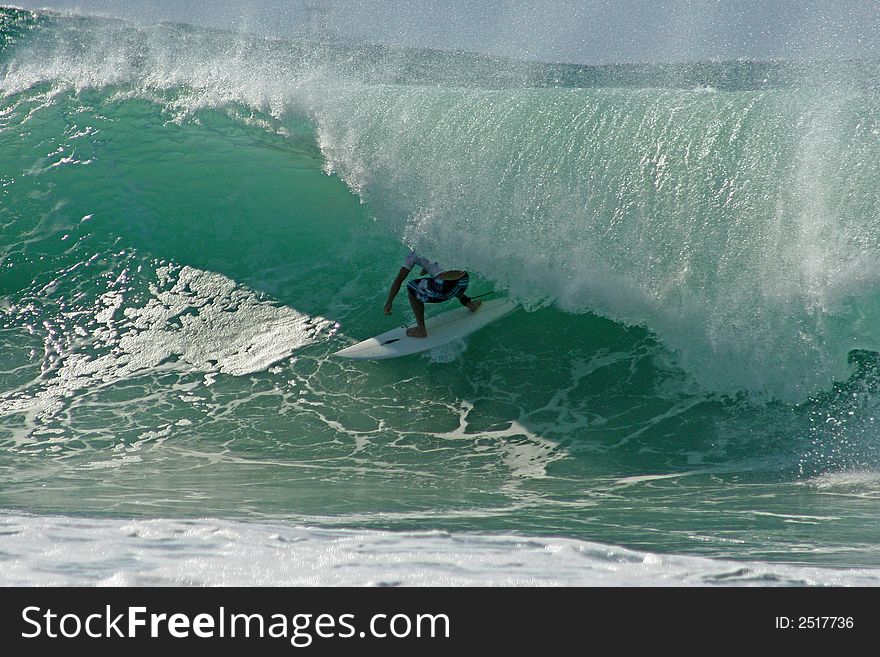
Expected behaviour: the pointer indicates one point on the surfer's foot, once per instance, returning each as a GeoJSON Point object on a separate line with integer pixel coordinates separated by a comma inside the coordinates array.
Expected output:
{"type": "Point", "coordinates": [416, 332]}
{"type": "Point", "coordinates": [473, 305]}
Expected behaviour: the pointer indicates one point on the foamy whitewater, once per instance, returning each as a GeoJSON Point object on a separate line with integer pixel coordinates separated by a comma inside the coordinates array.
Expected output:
{"type": "Point", "coordinates": [230, 553]}
{"type": "Point", "coordinates": [194, 221]}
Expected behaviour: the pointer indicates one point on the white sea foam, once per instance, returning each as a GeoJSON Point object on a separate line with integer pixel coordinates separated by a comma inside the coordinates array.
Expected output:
{"type": "Point", "coordinates": [63, 551]}
{"type": "Point", "coordinates": [861, 483]}
{"type": "Point", "coordinates": [192, 320]}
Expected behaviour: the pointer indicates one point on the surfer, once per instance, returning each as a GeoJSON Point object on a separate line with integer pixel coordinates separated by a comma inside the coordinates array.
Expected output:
{"type": "Point", "coordinates": [437, 286]}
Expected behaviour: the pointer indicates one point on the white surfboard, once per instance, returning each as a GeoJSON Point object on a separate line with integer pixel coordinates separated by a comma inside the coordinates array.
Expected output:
{"type": "Point", "coordinates": [442, 328]}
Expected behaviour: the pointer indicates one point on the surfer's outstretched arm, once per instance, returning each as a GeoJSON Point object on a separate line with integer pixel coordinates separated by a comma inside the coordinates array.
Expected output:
{"type": "Point", "coordinates": [395, 288]}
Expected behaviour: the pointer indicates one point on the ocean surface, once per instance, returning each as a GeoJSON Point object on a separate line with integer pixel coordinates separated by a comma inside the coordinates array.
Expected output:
{"type": "Point", "coordinates": [192, 221]}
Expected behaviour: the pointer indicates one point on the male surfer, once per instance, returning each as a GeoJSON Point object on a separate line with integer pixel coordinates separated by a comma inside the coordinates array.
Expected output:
{"type": "Point", "coordinates": [437, 286]}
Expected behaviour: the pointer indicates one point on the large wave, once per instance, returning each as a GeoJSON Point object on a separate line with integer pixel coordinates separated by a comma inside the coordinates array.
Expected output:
{"type": "Point", "coordinates": [738, 223]}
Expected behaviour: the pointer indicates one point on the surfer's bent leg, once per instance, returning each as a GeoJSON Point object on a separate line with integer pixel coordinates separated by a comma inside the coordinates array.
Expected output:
{"type": "Point", "coordinates": [432, 290]}
{"type": "Point", "coordinates": [415, 292]}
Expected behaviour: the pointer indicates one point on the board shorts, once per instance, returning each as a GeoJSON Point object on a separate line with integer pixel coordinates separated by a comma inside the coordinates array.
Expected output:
{"type": "Point", "coordinates": [433, 290]}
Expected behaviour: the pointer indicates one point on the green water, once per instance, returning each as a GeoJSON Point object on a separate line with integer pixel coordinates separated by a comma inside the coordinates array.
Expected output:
{"type": "Point", "coordinates": [191, 226]}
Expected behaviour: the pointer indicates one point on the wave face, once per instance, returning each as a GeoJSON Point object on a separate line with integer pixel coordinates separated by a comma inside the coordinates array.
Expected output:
{"type": "Point", "coordinates": [739, 227]}
{"type": "Point", "coordinates": [194, 221]}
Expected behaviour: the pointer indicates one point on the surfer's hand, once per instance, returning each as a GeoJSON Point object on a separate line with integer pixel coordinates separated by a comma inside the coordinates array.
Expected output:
{"type": "Point", "coordinates": [387, 308]}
